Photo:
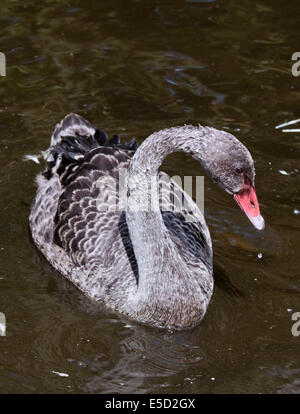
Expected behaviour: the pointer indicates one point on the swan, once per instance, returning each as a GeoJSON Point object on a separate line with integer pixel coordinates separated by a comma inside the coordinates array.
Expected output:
{"type": "Point", "coordinates": [153, 265]}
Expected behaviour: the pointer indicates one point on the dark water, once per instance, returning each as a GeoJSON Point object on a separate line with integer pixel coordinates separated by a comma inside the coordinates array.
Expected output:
{"type": "Point", "coordinates": [133, 67]}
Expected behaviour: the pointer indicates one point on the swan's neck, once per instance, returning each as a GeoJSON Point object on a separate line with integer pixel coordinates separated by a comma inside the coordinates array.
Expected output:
{"type": "Point", "coordinates": [150, 155]}
{"type": "Point", "coordinates": [163, 275]}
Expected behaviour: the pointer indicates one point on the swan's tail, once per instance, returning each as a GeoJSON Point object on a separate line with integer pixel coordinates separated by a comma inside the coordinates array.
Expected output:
{"type": "Point", "coordinates": [72, 138]}
{"type": "Point", "coordinates": [71, 126]}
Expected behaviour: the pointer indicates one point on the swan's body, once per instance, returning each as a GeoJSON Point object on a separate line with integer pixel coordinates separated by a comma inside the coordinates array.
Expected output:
{"type": "Point", "coordinates": [153, 265]}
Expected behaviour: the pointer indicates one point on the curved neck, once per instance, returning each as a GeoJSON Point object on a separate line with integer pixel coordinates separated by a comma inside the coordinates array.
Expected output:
{"type": "Point", "coordinates": [150, 155]}
{"type": "Point", "coordinates": [157, 256]}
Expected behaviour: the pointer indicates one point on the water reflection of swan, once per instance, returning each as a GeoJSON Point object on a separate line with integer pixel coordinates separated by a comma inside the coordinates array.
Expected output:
{"type": "Point", "coordinates": [146, 359]}
{"type": "Point", "coordinates": [151, 265]}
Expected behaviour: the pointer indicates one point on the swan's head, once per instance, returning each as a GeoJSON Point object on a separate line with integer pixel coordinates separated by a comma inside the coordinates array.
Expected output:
{"type": "Point", "coordinates": [230, 165]}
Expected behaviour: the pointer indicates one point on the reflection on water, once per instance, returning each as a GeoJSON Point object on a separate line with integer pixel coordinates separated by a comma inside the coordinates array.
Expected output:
{"type": "Point", "coordinates": [132, 70]}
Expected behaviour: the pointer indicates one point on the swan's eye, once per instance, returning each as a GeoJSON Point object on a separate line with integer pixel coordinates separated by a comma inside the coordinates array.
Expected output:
{"type": "Point", "coordinates": [239, 170]}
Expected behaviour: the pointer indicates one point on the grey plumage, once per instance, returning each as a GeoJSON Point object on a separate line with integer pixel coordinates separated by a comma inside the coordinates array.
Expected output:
{"type": "Point", "coordinates": [154, 267]}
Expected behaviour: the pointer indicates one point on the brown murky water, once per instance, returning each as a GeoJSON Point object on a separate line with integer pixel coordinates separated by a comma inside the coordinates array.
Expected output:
{"type": "Point", "coordinates": [133, 67]}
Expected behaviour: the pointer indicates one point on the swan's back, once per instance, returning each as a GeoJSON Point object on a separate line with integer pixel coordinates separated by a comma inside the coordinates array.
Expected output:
{"type": "Point", "coordinates": [74, 225]}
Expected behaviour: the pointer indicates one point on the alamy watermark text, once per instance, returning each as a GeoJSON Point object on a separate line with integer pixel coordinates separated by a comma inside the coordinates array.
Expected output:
{"type": "Point", "coordinates": [2, 64]}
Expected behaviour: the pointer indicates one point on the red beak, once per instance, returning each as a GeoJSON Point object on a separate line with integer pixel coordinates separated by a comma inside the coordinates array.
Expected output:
{"type": "Point", "coordinates": [247, 200]}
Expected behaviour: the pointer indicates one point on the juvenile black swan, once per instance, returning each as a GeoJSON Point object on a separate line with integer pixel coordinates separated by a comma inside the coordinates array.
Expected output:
{"type": "Point", "coordinates": [153, 265]}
